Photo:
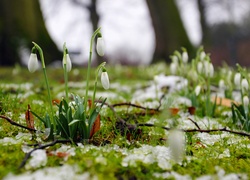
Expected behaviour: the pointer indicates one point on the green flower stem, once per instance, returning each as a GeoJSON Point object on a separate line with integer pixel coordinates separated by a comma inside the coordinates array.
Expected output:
{"type": "Point", "coordinates": [66, 81]}
{"type": "Point", "coordinates": [89, 68]}
{"type": "Point", "coordinates": [46, 80]}
{"type": "Point", "coordinates": [65, 73]}
{"type": "Point", "coordinates": [100, 67]}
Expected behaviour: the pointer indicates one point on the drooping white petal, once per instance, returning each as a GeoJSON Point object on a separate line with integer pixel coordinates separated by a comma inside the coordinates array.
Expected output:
{"type": "Point", "coordinates": [185, 57]}
{"type": "Point", "coordinates": [237, 78]}
{"type": "Point", "coordinates": [105, 80]}
{"type": "Point", "coordinates": [67, 61]}
{"type": "Point", "coordinates": [245, 101]}
{"type": "Point", "coordinates": [244, 85]}
{"type": "Point", "coordinates": [197, 90]}
{"type": "Point", "coordinates": [202, 55]}
{"type": "Point", "coordinates": [33, 63]}
{"type": "Point", "coordinates": [100, 46]}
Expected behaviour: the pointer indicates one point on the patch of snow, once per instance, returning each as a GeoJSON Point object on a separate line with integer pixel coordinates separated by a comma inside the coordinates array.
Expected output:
{"type": "Point", "coordinates": [170, 175]}
{"type": "Point", "coordinates": [38, 159]}
{"type": "Point", "coordinates": [64, 172]}
{"type": "Point", "coordinates": [148, 155]}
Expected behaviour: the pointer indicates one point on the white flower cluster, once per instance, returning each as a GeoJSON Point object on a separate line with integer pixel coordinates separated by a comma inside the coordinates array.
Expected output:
{"type": "Point", "coordinates": [204, 66]}
{"type": "Point", "coordinates": [178, 60]}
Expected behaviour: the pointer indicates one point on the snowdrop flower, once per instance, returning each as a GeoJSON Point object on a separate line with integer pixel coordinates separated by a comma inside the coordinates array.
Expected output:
{"type": "Point", "coordinates": [245, 101]}
{"type": "Point", "coordinates": [33, 62]}
{"type": "Point", "coordinates": [176, 141]}
{"type": "Point", "coordinates": [244, 85]}
{"type": "Point", "coordinates": [174, 59]}
{"type": "Point", "coordinates": [185, 57]}
{"type": "Point", "coordinates": [173, 67]}
{"type": "Point", "coordinates": [200, 67]}
{"type": "Point", "coordinates": [105, 79]}
{"type": "Point", "coordinates": [100, 46]}
{"type": "Point", "coordinates": [210, 70]}
{"type": "Point", "coordinates": [197, 90]}
{"type": "Point", "coordinates": [237, 78]}
{"type": "Point", "coordinates": [222, 84]}
{"type": "Point", "coordinates": [67, 61]}
{"type": "Point", "coordinates": [202, 55]}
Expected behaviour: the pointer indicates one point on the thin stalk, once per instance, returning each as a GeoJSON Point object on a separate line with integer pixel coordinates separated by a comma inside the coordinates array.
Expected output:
{"type": "Point", "coordinates": [46, 81]}
{"type": "Point", "coordinates": [100, 67]}
{"type": "Point", "coordinates": [89, 68]}
{"type": "Point", "coordinates": [65, 72]}
{"type": "Point", "coordinates": [66, 81]}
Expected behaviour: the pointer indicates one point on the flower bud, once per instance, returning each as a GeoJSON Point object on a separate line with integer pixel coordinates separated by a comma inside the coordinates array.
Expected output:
{"type": "Point", "coordinates": [67, 61]}
{"type": "Point", "coordinates": [173, 67]}
{"type": "Point", "coordinates": [222, 84]}
{"type": "Point", "coordinates": [176, 140]}
{"type": "Point", "coordinates": [185, 57]}
{"type": "Point", "coordinates": [105, 80]}
{"type": "Point", "coordinates": [245, 101]}
{"type": "Point", "coordinates": [200, 67]}
{"type": "Point", "coordinates": [237, 78]}
{"type": "Point", "coordinates": [244, 85]}
{"type": "Point", "coordinates": [100, 46]}
{"type": "Point", "coordinates": [197, 90]}
{"type": "Point", "coordinates": [202, 55]}
{"type": "Point", "coordinates": [33, 63]}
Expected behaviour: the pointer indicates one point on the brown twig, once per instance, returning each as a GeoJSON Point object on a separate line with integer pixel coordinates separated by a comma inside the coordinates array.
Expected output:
{"type": "Point", "coordinates": [195, 123]}
{"type": "Point", "coordinates": [27, 156]}
{"type": "Point", "coordinates": [16, 124]}
{"type": "Point", "coordinates": [199, 130]}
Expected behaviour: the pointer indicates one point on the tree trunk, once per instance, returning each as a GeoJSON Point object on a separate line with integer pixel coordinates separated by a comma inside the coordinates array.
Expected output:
{"type": "Point", "coordinates": [206, 38]}
{"type": "Point", "coordinates": [21, 22]}
{"type": "Point", "coordinates": [169, 30]}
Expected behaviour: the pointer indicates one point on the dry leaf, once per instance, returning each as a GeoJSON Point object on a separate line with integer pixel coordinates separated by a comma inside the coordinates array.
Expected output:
{"type": "Point", "coordinates": [96, 126]}
{"type": "Point", "coordinates": [223, 101]}
{"type": "Point", "coordinates": [29, 118]}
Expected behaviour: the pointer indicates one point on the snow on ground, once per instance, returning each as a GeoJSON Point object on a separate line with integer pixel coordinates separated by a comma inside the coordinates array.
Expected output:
{"type": "Point", "coordinates": [146, 154]}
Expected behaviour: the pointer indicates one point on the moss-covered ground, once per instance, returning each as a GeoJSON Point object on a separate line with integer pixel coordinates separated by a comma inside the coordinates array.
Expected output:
{"type": "Point", "coordinates": [111, 154]}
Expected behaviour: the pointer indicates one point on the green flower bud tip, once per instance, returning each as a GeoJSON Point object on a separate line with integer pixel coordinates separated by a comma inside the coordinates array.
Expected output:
{"type": "Point", "coordinates": [100, 46]}
{"type": "Point", "coordinates": [33, 62]}
{"type": "Point", "coordinates": [105, 79]}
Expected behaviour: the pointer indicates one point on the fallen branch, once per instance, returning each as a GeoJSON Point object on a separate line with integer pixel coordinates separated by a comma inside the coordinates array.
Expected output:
{"type": "Point", "coordinates": [16, 124]}
{"type": "Point", "coordinates": [27, 156]}
{"type": "Point", "coordinates": [199, 130]}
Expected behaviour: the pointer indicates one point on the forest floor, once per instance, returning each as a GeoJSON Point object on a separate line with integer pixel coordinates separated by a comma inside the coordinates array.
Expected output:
{"type": "Point", "coordinates": [148, 98]}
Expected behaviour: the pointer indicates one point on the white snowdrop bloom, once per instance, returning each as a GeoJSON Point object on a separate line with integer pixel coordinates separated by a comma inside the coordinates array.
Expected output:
{"type": "Point", "coordinates": [200, 67]}
{"type": "Point", "coordinates": [245, 101]}
{"type": "Point", "coordinates": [208, 69]}
{"type": "Point", "coordinates": [173, 67]}
{"type": "Point", "coordinates": [202, 55]}
{"type": "Point", "coordinates": [237, 79]}
{"type": "Point", "coordinates": [100, 46]}
{"type": "Point", "coordinates": [197, 90]}
{"type": "Point", "coordinates": [222, 84]}
{"type": "Point", "coordinates": [33, 63]}
{"type": "Point", "coordinates": [174, 59]}
{"type": "Point", "coordinates": [244, 85]}
{"type": "Point", "coordinates": [211, 70]}
{"type": "Point", "coordinates": [185, 57]}
{"type": "Point", "coordinates": [105, 80]}
{"type": "Point", "coordinates": [67, 61]}
{"type": "Point", "coordinates": [176, 141]}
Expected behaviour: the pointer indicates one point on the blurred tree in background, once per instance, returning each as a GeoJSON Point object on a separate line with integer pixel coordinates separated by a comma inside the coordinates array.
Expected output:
{"type": "Point", "coordinates": [21, 22]}
{"type": "Point", "coordinates": [170, 33]}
